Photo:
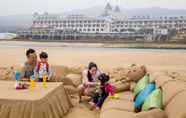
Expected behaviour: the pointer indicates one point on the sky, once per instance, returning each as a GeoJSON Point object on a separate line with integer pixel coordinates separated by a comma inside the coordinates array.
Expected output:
{"type": "Point", "coordinates": [11, 7]}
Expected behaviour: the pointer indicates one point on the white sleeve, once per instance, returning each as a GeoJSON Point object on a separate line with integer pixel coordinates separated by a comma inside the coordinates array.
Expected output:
{"type": "Point", "coordinates": [50, 72]}
{"type": "Point", "coordinates": [84, 75]}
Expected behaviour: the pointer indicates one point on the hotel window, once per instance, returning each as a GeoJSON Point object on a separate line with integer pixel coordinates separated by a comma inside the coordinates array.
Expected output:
{"type": "Point", "coordinates": [97, 30]}
{"type": "Point", "coordinates": [93, 29]}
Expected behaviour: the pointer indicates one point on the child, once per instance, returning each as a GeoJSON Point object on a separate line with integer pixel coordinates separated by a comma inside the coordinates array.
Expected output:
{"type": "Point", "coordinates": [106, 90]}
{"type": "Point", "coordinates": [43, 68]}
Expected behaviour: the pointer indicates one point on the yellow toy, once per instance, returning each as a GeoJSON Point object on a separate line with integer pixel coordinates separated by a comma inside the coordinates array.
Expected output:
{"type": "Point", "coordinates": [32, 82]}
{"type": "Point", "coordinates": [44, 81]}
{"type": "Point", "coordinates": [115, 96]}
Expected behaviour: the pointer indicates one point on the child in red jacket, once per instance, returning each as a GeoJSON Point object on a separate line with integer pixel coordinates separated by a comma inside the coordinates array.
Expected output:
{"type": "Point", "coordinates": [106, 90]}
{"type": "Point", "coordinates": [43, 68]}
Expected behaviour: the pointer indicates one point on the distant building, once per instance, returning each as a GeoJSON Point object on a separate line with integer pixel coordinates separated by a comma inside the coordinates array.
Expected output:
{"type": "Point", "coordinates": [112, 21]}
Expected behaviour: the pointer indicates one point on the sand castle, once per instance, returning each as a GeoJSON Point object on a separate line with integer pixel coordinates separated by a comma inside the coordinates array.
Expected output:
{"type": "Point", "coordinates": [124, 80]}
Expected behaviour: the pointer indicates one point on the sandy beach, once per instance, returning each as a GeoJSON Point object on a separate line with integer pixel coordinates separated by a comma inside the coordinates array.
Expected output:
{"type": "Point", "coordinates": [13, 53]}
{"type": "Point", "coordinates": [170, 60]}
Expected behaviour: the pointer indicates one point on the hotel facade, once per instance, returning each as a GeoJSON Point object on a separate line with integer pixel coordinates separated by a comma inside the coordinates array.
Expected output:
{"type": "Point", "coordinates": [110, 23]}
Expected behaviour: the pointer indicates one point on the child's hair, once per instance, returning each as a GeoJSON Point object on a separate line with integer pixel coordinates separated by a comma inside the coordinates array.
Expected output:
{"type": "Point", "coordinates": [103, 78]}
{"type": "Point", "coordinates": [43, 55]}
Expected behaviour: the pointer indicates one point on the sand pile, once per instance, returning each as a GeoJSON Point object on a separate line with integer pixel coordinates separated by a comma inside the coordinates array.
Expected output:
{"type": "Point", "coordinates": [123, 78]}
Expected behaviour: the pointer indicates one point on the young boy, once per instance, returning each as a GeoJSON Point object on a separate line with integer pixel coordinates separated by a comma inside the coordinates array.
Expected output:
{"type": "Point", "coordinates": [43, 68]}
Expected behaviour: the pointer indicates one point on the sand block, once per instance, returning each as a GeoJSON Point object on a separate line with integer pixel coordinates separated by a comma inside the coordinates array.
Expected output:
{"type": "Point", "coordinates": [7, 73]}
{"type": "Point", "coordinates": [118, 104]}
{"type": "Point", "coordinates": [121, 86]}
{"type": "Point", "coordinates": [76, 79]}
{"type": "Point", "coordinates": [115, 113]}
{"type": "Point", "coordinates": [71, 89]}
{"type": "Point", "coordinates": [155, 113]}
{"type": "Point", "coordinates": [172, 89]}
{"type": "Point", "coordinates": [176, 107]}
{"type": "Point", "coordinates": [132, 86]}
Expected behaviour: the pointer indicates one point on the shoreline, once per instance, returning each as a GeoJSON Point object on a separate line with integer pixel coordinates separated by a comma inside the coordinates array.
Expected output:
{"type": "Point", "coordinates": [108, 44]}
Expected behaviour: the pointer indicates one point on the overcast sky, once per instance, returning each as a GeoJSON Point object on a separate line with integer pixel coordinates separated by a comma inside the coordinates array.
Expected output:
{"type": "Point", "coordinates": [8, 7]}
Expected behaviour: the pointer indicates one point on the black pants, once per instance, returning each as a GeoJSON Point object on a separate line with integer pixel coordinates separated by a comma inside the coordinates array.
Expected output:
{"type": "Point", "coordinates": [98, 99]}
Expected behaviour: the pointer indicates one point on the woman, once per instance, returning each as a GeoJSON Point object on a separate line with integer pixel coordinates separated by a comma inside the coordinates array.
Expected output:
{"type": "Point", "coordinates": [90, 80]}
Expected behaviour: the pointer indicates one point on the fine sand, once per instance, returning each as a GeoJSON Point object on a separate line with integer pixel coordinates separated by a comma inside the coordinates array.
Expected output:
{"type": "Point", "coordinates": [13, 53]}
